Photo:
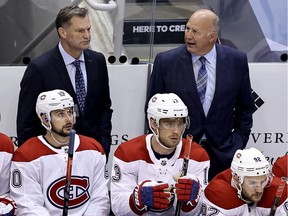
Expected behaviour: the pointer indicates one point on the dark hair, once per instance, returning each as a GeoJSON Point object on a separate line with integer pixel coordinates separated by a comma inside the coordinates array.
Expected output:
{"type": "Point", "coordinates": [65, 14]}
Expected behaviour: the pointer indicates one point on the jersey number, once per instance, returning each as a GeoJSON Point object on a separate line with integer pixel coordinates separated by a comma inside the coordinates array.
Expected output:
{"type": "Point", "coordinates": [209, 211]}
{"type": "Point", "coordinates": [257, 159]}
{"type": "Point", "coordinates": [16, 178]}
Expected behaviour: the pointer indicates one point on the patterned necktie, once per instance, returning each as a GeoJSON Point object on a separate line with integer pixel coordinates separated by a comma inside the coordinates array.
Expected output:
{"type": "Point", "coordinates": [79, 85]}
{"type": "Point", "coordinates": [202, 80]}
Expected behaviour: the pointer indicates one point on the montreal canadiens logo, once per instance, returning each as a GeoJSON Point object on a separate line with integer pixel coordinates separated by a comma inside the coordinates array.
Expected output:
{"type": "Point", "coordinates": [78, 194]}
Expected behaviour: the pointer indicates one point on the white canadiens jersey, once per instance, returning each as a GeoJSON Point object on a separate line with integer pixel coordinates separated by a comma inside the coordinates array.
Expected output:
{"type": "Point", "coordinates": [220, 199]}
{"type": "Point", "coordinates": [39, 176]}
{"type": "Point", "coordinates": [134, 161]}
{"type": "Point", "coordinates": [6, 154]}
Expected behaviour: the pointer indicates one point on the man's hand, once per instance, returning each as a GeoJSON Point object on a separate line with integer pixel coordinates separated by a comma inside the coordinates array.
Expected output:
{"type": "Point", "coordinates": [150, 194]}
{"type": "Point", "coordinates": [187, 190]}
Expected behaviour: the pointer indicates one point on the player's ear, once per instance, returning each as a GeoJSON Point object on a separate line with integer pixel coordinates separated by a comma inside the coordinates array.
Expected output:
{"type": "Point", "coordinates": [153, 123]}
{"type": "Point", "coordinates": [235, 179]}
{"type": "Point", "coordinates": [44, 118]}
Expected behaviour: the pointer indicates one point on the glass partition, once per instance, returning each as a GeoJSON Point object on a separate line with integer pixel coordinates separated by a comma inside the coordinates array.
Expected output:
{"type": "Point", "coordinates": [139, 29]}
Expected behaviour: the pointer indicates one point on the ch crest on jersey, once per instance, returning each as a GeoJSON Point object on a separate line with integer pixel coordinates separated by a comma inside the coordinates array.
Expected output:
{"type": "Point", "coordinates": [78, 192]}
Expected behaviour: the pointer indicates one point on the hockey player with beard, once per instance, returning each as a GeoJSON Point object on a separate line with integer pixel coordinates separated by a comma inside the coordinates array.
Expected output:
{"type": "Point", "coordinates": [247, 189]}
{"type": "Point", "coordinates": [145, 176]}
{"type": "Point", "coordinates": [39, 165]}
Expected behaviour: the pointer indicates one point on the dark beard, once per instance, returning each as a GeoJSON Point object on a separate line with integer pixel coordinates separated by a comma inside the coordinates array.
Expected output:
{"type": "Point", "coordinates": [60, 132]}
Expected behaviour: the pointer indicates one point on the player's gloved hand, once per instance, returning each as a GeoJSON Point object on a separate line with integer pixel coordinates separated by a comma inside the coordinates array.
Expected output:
{"type": "Point", "coordinates": [187, 190]}
{"type": "Point", "coordinates": [7, 206]}
{"type": "Point", "coordinates": [150, 194]}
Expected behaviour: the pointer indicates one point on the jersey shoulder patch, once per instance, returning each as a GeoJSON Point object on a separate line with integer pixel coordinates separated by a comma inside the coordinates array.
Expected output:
{"type": "Point", "coordinates": [197, 153]}
{"type": "Point", "coordinates": [6, 144]}
{"type": "Point", "coordinates": [280, 166]}
{"type": "Point", "coordinates": [133, 150]}
{"type": "Point", "coordinates": [25, 152]}
{"type": "Point", "coordinates": [88, 143]}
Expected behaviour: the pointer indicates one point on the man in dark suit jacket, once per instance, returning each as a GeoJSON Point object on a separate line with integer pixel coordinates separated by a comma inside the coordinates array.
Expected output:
{"type": "Point", "coordinates": [221, 124]}
{"type": "Point", "coordinates": [55, 70]}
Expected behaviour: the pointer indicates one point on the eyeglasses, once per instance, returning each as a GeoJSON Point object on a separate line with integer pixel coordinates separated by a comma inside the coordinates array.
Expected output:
{"type": "Point", "coordinates": [172, 124]}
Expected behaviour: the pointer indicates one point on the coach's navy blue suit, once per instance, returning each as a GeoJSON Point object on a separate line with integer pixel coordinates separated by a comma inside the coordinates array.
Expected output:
{"type": "Point", "coordinates": [229, 120]}
{"type": "Point", "coordinates": [49, 72]}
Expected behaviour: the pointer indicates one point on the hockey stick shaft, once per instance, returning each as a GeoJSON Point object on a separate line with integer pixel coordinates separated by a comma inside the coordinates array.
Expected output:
{"type": "Point", "coordinates": [278, 195]}
{"type": "Point", "coordinates": [187, 151]}
{"type": "Point", "coordinates": [68, 172]}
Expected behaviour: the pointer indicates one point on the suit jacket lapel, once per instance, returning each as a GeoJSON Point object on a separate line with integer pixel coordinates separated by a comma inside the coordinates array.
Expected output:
{"type": "Point", "coordinates": [188, 69]}
{"type": "Point", "coordinates": [61, 70]}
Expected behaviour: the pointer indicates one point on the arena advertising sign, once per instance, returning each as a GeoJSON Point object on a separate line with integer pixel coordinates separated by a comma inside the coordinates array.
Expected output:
{"type": "Point", "coordinates": [270, 119]}
{"type": "Point", "coordinates": [128, 85]}
{"type": "Point", "coordinates": [165, 31]}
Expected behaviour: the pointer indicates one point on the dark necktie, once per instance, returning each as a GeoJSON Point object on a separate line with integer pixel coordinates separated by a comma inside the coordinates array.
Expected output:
{"type": "Point", "coordinates": [202, 80]}
{"type": "Point", "coordinates": [79, 86]}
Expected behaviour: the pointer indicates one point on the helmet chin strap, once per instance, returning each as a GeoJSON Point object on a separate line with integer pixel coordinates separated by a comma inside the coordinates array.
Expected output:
{"type": "Point", "coordinates": [49, 128]}
{"type": "Point", "coordinates": [157, 137]}
{"type": "Point", "coordinates": [161, 144]}
{"type": "Point", "coordinates": [59, 143]}
{"type": "Point", "coordinates": [239, 191]}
